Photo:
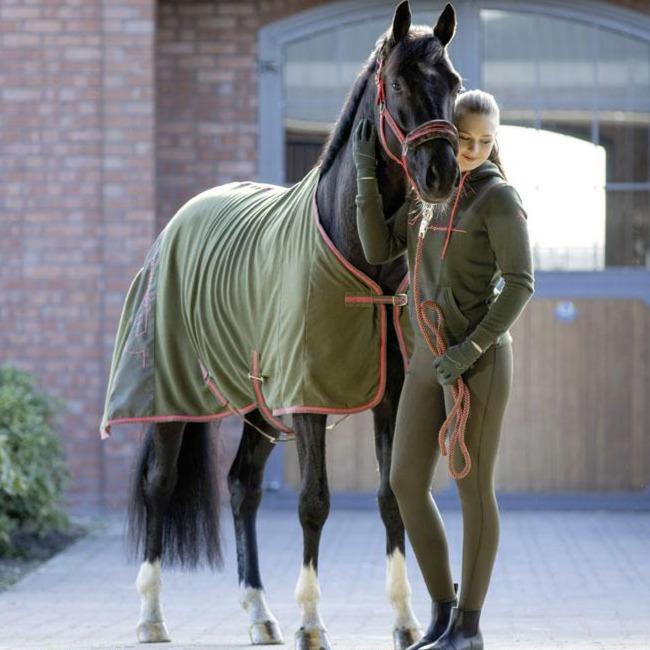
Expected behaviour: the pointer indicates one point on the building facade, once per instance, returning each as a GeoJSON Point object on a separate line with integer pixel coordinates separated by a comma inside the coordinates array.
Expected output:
{"type": "Point", "coordinates": [116, 112]}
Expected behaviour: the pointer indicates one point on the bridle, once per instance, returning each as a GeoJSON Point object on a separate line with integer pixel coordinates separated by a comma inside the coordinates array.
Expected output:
{"type": "Point", "coordinates": [431, 130]}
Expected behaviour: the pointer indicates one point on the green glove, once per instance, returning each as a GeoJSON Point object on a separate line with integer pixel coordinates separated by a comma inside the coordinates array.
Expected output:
{"type": "Point", "coordinates": [363, 148]}
{"type": "Point", "coordinates": [458, 358]}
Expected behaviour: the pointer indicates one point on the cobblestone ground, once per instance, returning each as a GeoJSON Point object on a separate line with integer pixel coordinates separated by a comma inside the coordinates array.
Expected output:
{"type": "Point", "coordinates": [563, 580]}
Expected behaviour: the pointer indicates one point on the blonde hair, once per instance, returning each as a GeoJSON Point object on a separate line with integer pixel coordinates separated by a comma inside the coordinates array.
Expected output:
{"type": "Point", "coordinates": [482, 103]}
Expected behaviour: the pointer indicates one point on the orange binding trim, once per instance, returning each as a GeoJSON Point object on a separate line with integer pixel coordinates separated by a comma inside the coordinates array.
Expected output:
{"type": "Point", "coordinates": [256, 380]}
{"type": "Point", "coordinates": [398, 300]}
{"type": "Point", "coordinates": [212, 387]}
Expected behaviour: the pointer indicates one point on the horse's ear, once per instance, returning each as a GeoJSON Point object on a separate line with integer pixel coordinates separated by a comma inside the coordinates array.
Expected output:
{"type": "Point", "coordinates": [446, 26]}
{"type": "Point", "coordinates": [401, 23]}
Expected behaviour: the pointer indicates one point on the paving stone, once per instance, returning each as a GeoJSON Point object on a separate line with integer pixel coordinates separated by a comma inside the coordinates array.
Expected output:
{"type": "Point", "coordinates": [562, 581]}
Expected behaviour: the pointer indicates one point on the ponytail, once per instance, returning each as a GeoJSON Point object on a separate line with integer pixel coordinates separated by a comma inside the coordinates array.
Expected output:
{"type": "Point", "coordinates": [496, 159]}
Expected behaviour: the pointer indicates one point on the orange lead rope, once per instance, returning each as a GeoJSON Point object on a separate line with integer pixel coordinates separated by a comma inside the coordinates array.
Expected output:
{"type": "Point", "coordinates": [435, 340]}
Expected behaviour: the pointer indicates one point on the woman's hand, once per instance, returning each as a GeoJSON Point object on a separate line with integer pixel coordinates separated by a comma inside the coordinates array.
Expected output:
{"type": "Point", "coordinates": [363, 148]}
{"type": "Point", "coordinates": [458, 359]}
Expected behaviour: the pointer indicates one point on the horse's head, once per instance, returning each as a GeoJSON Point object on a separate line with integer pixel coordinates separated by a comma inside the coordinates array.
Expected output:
{"type": "Point", "coordinates": [416, 89]}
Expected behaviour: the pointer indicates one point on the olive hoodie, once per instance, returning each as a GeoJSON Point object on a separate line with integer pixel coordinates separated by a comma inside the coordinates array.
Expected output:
{"type": "Point", "coordinates": [489, 241]}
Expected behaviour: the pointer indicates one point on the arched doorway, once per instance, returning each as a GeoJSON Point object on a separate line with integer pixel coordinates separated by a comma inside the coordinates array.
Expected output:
{"type": "Point", "coordinates": [581, 70]}
{"type": "Point", "coordinates": [576, 77]}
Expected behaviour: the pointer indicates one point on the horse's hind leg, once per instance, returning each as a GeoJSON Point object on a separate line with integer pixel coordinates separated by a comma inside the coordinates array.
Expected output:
{"type": "Point", "coordinates": [406, 629]}
{"type": "Point", "coordinates": [313, 511]}
{"type": "Point", "coordinates": [245, 483]}
{"type": "Point", "coordinates": [158, 474]}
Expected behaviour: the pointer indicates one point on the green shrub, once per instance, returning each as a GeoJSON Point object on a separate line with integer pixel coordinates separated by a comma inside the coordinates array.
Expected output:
{"type": "Point", "coordinates": [33, 473]}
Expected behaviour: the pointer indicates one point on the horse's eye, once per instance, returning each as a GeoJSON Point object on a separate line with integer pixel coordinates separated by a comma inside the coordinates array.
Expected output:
{"type": "Point", "coordinates": [395, 86]}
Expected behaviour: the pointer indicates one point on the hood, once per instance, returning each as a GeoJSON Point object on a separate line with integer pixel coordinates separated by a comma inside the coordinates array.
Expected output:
{"type": "Point", "coordinates": [475, 178]}
{"type": "Point", "coordinates": [484, 171]}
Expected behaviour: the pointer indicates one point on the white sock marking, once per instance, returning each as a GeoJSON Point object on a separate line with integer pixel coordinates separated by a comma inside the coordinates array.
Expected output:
{"type": "Point", "coordinates": [254, 602]}
{"type": "Point", "coordinates": [149, 585]}
{"type": "Point", "coordinates": [307, 597]}
{"type": "Point", "coordinates": [398, 591]}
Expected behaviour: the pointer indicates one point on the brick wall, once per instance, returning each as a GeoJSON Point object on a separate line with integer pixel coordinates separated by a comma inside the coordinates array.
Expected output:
{"type": "Point", "coordinates": [76, 162]}
{"type": "Point", "coordinates": [83, 162]}
{"type": "Point", "coordinates": [633, 5]}
{"type": "Point", "coordinates": [128, 191]}
{"type": "Point", "coordinates": [206, 131]}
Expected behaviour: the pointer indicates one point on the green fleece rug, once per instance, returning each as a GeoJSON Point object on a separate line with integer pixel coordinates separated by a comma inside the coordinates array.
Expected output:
{"type": "Point", "coordinates": [243, 302]}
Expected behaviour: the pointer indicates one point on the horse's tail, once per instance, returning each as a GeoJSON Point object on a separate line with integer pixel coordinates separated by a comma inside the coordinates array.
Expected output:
{"type": "Point", "coordinates": [191, 521]}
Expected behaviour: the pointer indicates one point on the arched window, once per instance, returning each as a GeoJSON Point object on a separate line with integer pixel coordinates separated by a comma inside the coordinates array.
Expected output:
{"type": "Point", "coordinates": [575, 76]}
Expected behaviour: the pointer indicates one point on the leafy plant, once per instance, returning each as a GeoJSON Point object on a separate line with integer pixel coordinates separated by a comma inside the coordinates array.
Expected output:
{"type": "Point", "coordinates": [33, 473]}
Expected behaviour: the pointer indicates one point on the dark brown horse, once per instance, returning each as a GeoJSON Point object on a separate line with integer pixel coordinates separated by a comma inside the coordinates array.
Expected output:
{"type": "Point", "coordinates": [174, 503]}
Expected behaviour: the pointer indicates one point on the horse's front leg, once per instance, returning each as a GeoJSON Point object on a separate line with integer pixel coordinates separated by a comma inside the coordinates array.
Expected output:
{"type": "Point", "coordinates": [245, 483]}
{"type": "Point", "coordinates": [158, 474]}
{"type": "Point", "coordinates": [406, 628]}
{"type": "Point", "coordinates": [313, 510]}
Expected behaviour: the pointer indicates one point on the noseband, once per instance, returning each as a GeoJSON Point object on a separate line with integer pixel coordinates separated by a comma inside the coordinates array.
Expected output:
{"type": "Point", "coordinates": [431, 130]}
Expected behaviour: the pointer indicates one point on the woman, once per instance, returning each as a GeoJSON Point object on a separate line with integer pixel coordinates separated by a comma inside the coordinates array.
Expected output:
{"type": "Point", "coordinates": [462, 257]}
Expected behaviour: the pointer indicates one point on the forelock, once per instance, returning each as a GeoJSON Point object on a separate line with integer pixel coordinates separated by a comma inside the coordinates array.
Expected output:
{"type": "Point", "coordinates": [418, 46]}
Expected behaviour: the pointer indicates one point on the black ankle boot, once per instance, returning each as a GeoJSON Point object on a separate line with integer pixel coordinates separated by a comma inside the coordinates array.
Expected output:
{"type": "Point", "coordinates": [462, 634]}
{"type": "Point", "coordinates": [440, 617]}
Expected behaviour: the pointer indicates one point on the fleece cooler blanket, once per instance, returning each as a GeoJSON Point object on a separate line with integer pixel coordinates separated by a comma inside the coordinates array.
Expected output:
{"type": "Point", "coordinates": [244, 303]}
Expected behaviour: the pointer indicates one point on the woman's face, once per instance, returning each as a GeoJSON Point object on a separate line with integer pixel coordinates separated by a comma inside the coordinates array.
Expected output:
{"type": "Point", "coordinates": [476, 136]}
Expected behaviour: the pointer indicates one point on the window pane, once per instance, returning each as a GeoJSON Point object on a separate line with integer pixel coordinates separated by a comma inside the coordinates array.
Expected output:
{"type": "Point", "coordinates": [321, 69]}
{"type": "Point", "coordinates": [623, 73]}
{"type": "Point", "coordinates": [577, 79]}
{"type": "Point", "coordinates": [508, 62]}
{"type": "Point", "coordinates": [623, 70]}
{"type": "Point", "coordinates": [627, 145]}
{"type": "Point", "coordinates": [356, 42]}
{"type": "Point", "coordinates": [539, 66]}
{"type": "Point", "coordinates": [313, 88]}
{"type": "Point", "coordinates": [561, 182]}
{"type": "Point", "coordinates": [565, 54]}
{"type": "Point", "coordinates": [628, 221]}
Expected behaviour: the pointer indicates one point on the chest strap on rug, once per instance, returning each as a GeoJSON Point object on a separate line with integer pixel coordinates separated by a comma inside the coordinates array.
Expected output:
{"type": "Point", "coordinates": [398, 300]}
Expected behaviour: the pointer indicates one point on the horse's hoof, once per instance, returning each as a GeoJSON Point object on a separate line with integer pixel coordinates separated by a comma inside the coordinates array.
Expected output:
{"type": "Point", "coordinates": [403, 637]}
{"type": "Point", "coordinates": [266, 633]}
{"type": "Point", "coordinates": [315, 639]}
{"type": "Point", "coordinates": [153, 633]}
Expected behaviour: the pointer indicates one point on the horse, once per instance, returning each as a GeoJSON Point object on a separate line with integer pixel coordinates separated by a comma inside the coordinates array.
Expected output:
{"type": "Point", "coordinates": [174, 501]}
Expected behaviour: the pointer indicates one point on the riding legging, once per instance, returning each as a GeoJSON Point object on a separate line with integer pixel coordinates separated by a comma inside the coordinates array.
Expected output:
{"type": "Point", "coordinates": [420, 414]}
